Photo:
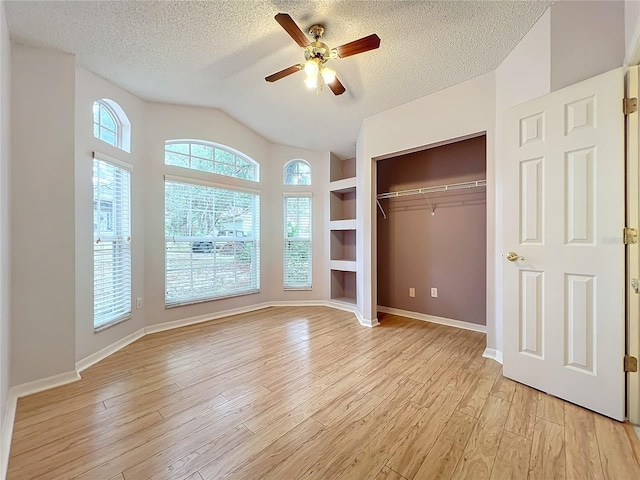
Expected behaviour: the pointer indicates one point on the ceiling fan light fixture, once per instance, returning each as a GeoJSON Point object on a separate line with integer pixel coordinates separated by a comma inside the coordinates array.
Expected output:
{"type": "Point", "coordinates": [311, 67]}
{"type": "Point", "coordinates": [311, 81]}
{"type": "Point", "coordinates": [328, 75]}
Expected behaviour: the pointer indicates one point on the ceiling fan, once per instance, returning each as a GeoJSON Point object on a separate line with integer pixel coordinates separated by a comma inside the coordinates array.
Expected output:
{"type": "Point", "coordinates": [316, 54]}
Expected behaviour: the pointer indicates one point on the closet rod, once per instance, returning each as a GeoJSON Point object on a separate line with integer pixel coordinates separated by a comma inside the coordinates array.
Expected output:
{"type": "Point", "coordinates": [435, 189]}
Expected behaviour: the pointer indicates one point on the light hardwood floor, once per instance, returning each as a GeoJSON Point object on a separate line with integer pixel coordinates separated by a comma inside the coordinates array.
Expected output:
{"type": "Point", "coordinates": [307, 393]}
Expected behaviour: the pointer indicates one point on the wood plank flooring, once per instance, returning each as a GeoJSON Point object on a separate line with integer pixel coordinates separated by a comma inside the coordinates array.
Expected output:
{"type": "Point", "coordinates": [307, 393]}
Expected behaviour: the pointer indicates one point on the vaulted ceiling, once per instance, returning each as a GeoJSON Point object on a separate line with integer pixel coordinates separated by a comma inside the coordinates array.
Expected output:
{"type": "Point", "coordinates": [217, 53]}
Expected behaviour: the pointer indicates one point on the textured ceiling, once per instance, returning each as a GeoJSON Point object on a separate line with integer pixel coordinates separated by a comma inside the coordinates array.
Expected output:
{"type": "Point", "coordinates": [217, 53]}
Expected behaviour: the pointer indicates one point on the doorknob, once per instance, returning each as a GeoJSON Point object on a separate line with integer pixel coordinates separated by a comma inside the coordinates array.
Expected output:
{"type": "Point", "coordinates": [513, 256]}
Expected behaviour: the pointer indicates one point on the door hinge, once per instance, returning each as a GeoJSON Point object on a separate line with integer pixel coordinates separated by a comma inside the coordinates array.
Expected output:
{"type": "Point", "coordinates": [630, 364]}
{"type": "Point", "coordinates": [635, 284]}
{"type": "Point", "coordinates": [630, 235]}
{"type": "Point", "coordinates": [629, 105]}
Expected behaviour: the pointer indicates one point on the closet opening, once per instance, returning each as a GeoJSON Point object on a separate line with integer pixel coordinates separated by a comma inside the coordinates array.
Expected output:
{"type": "Point", "coordinates": [432, 234]}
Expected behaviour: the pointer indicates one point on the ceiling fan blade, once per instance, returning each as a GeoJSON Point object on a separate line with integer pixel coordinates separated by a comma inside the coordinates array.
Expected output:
{"type": "Point", "coordinates": [292, 29]}
{"type": "Point", "coordinates": [283, 73]}
{"type": "Point", "coordinates": [336, 87]}
{"type": "Point", "coordinates": [358, 46]}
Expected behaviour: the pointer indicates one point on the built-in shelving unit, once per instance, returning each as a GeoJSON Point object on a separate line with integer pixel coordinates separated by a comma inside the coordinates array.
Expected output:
{"type": "Point", "coordinates": [343, 286]}
{"type": "Point", "coordinates": [342, 229]}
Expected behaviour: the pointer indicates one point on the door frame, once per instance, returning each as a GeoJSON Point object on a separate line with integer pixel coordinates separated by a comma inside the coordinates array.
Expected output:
{"type": "Point", "coordinates": [632, 252]}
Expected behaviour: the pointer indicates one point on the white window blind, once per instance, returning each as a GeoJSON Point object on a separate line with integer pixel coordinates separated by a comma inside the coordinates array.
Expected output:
{"type": "Point", "coordinates": [212, 239]}
{"type": "Point", "coordinates": [297, 242]}
{"type": "Point", "coordinates": [111, 244]}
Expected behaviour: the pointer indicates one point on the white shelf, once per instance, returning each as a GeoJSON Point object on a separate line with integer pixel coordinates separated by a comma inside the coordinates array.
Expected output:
{"type": "Point", "coordinates": [342, 224]}
{"type": "Point", "coordinates": [343, 186]}
{"type": "Point", "coordinates": [344, 265]}
{"type": "Point", "coordinates": [347, 300]}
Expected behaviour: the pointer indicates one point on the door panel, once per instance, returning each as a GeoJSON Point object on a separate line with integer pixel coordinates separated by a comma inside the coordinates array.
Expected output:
{"type": "Point", "coordinates": [564, 214]}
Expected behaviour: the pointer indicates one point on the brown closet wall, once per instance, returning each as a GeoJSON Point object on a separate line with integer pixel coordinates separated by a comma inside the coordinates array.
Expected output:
{"type": "Point", "coordinates": [446, 250]}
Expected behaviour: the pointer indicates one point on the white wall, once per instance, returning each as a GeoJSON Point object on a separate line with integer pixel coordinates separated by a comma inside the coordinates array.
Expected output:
{"type": "Point", "coordinates": [459, 111]}
{"type": "Point", "coordinates": [42, 214]}
{"type": "Point", "coordinates": [525, 74]}
{"type": "Point", "coordinates": [632, 32]}
{"type": "Point", "coordinates": [588, 38]}
{"type": "Point", "coordinates": [90, 87]}
{"type": "Point", "coordinates": [5, 258]}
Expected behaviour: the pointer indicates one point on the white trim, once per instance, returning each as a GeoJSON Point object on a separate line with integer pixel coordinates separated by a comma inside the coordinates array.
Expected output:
{"type": "Point", "coordinates": [353, 309]}
{"type": "Point", "coordinates": [298, 194]}
{"type": "Point", "coordinates": [7, 433]}
{"type": "Point", "coordinates": [206, 183]}
{"type": "Point", "coordinates": [42, 384]}
{"type": "Point", "coordinates": [113, 161]}
{"type": "Point", "coordinates": [433, 319]}
{"type": "Point", "coordinates": [161, 327]}
{"type": "Point", "coordinates": [94, 358]}
{"type": "Point", "coordinates": [493, 354]}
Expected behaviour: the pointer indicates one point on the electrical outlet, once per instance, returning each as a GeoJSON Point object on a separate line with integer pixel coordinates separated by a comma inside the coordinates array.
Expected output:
{"type": "Point", "coordinates": [138, 303]}
{"type": "Point", "coordinates": [434, 292]}
{"type": "Point", "coordinates": [412, 292]}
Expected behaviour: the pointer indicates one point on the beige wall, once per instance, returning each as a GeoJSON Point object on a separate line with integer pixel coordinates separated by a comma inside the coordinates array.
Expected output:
{"type": "Point", "coordinates": [588, 38]}
{"type": "Point", "coordinates": [5, 258]}
{"type": "Point", "coordinates": [446, 250]}
{"type": "Point", "coordinates": [42, 214]}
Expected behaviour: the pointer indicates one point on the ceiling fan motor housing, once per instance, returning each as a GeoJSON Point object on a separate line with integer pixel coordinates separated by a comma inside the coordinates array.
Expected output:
{"type": "Point", "coordinates": [317, 50]}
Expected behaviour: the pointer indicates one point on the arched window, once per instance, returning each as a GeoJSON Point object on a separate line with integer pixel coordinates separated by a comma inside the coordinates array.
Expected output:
{"type": "Point", "coordinates": [210, 157]}
{"type": "Point", "coordinates": [111, 125]}
{"type": "Point", "coordinates": [297, 172]}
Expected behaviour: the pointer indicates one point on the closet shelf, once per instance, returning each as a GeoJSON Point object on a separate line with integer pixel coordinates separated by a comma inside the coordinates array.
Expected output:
{"type": "Point", "coordinates": [434, 189]}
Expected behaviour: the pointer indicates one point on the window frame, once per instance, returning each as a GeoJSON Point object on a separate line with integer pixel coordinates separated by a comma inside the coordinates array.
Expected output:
{"type": "Point", "coordinates": [297, 162]}
{"type": "Point", "coordinates": [214, 162]}
{"type": "Point", "coordinates": [121, 239]}
{"type": "Point", "coordinates": [117, 133]}
{"type": "Point", "coordinates": [297, 239]}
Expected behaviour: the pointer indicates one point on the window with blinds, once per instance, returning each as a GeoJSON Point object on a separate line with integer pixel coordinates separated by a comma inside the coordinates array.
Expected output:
{"type": "Point", "coordinates": [212, 238]}
{"type": "Point", "coordinates": [297, 242]}
{"type": "Point", "coordinates": [111, 243]}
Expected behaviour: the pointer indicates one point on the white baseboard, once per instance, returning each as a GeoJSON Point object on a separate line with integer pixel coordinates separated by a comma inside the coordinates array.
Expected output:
{"type": "Point", "coordinates": [94, 358]}
{"type": "Point", "coordinates": [161, 327]}
{"type": "Point", "coordinates": [493, 354]}
{"type": "Point", "coordinates": [347, 307]}
{"type": "Point", "coordinates": [433, 319]}
{"type": "Point", "coordinates": [7, 434]}
{"type": "Point", "coordinates": [36, 386]}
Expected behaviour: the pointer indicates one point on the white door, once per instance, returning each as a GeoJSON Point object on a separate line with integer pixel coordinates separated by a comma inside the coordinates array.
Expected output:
{"type": "Point", "coordinates": [564, 297]}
